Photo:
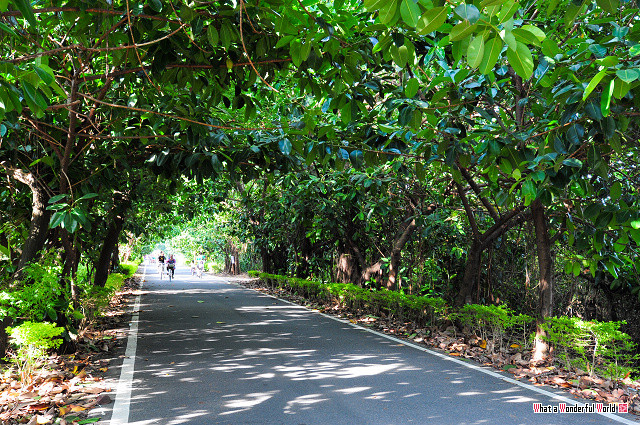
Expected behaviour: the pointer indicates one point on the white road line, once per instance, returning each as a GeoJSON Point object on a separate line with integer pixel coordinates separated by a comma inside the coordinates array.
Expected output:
{"type": "Point", "coordinates": [460, 362]}
{"type": "Point", "coordinates": [120, 413]}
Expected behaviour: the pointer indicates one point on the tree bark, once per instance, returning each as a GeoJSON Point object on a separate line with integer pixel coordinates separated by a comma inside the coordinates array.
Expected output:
{"type": "Point", "coordinates": [470, 277]}
{"type": "Point", "coordinates": [40, 216]}
{"type": "Point", "coordinates": [545, 284]}
{"type": "Point", "coordinates": [121, 205]}
{"type": "Point", "coordinates": [396, 254]}
{"type": "Point", "coordinates": [347, 268]}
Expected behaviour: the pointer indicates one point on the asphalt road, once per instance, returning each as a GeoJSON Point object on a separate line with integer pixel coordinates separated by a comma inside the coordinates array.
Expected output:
{"type": "Point", "coordinates": [212, 352]}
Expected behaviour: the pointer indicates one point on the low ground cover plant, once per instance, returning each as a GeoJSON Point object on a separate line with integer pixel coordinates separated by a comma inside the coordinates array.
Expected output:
{"type": "Point", "coordinates": [32, 340]}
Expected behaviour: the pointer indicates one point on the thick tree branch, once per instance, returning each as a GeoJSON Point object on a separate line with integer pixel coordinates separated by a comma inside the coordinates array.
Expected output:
{"type": "Point", "coordinates": [468, 210]}
{"type": "Point", "coordinates": [476, 189]}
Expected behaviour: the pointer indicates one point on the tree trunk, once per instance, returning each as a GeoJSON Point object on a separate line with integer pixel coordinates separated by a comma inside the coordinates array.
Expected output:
{"type": "Point", "coordinates": [545, 284]}
{"type": "Point", "coordinates": [105, 260]}
{"type": "Point", "coordinates": [470, 278]}
{"type": "Point", "coordinates": [4, 337]}
{"type": "Point", "coordinates": [267, 264]}
{"type": "Point", "coordinates": [396, 254]}
{"type": "Point", "coordinates": [347, 268]}
{"type": "Point", "coordinates": [40, 216]}
{"type": "Point", "coordinates": [38, 230]}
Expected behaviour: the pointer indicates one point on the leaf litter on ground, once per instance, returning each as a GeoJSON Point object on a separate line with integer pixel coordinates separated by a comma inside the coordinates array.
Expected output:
{"type": "Point", "coordinates": [67, 387]}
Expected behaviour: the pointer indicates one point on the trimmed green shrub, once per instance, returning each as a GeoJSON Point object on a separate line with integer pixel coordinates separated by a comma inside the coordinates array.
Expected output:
{"type": "Point", "coordinates": [129, 268]}
{"type": "Point", "coordinates": [593, 346]}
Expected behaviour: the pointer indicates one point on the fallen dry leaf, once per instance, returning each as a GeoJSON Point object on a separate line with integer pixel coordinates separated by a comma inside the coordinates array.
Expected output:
{"type": "Point", "coordinates": [92, 390]}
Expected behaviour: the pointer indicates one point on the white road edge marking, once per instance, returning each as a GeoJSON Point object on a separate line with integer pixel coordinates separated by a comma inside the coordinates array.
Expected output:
{"type": "Point", "coordinates": [120, 413]}
{"type": "Point", "coordinates": [458, 361]}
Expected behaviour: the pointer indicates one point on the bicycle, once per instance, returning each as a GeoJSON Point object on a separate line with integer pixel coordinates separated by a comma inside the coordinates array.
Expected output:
{"type": "Point", "coordinates": [161, 269]}
{"type": "Point", "coordinates": [200, 272]}
{"type": "Point", "coordinates": [170, 272]}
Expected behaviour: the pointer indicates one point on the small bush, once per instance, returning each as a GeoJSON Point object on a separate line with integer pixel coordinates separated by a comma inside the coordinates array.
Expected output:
{"type": "Point", "coordinates": [33, 340]}
{"type": "Point", "coordinates": [129, 268]}
{"type": "Point", "coordinates": [490, 322]}
{"type": "Point", "coordinates": [39, 296]}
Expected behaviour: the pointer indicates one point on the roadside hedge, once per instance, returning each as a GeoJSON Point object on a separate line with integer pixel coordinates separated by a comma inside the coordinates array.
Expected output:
{"type": "Point", "coordinates": [595, 347]}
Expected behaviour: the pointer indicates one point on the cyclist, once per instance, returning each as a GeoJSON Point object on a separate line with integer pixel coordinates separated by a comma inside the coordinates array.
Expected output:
{"type": "Point", "coordinates": [161, 259]}
{"type": "Point", "coordinates": [171, 265]}
{"type": "Point", "coordinates": [200, 264]}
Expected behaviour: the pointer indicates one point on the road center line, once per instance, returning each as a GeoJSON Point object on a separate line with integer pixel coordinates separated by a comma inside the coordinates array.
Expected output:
{"type": "Point", "coordinates": [484, 370]}
{"type": "Point", "coordinates": [120, 413]}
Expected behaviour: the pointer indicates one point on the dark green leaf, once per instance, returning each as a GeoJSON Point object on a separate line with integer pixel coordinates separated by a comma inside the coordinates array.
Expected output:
{"type": "Point", "coordinates": [475, 51]}
{"type": "Point", "coordinates": [5, 28]}
{"type": "Point", "coordinates": [615, 191]}
{"type": "Point", "coordinates": [411, 89]}
{"type": "Point", "coordinates": [56, 198]}
{"type": "Point", "coordinates": [285, 146]}
{"type": "Point", "coordinates": [492, 49]}
{"type": "Point", "coordinates": [593, 110]}
{"type": "Point", "coordinates": [572, 162]}
{"type": "Point", "coordinates": [521, 60]}
{"type": "Point", "coordinates": [605, 100]}
{"type": "Point", "coordinates": [56, 219]}
{"type": "Point", "coordinates": [592, 210]}
{"type": "Point", "coordinates": [373, 5]}
{"type": "Point", "coordinates": [410, 12]}
{"type": "Point", "coordinates": [604, 219]}
{"type": "Point", "coordinates": [461, 31]}
{"type": "Point", "coordinates": [388, 11]}
{"type": "Point", "coordinates": [431, 20]}
{"type": "Point", "coordinates": [44, 76]}
{"type": "Point", "coordinates": [610, 6]}
{"type": "Point", "coordinates": [468, 12]}
{"type": "Point", "coordinates": [155, 5]}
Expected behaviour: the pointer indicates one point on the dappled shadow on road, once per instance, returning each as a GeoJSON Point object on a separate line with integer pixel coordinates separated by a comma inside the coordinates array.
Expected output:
{"type": "Point", "coordinates": [205, 357]}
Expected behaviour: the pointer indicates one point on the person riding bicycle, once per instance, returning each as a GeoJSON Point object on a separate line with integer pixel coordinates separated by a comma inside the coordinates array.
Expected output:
{"type": "Point", "coordinates": [200, 262]}
{"type": "Point", "coordinates": [171, 264]}
{"type": "Point", "coordinates": [161, 259]}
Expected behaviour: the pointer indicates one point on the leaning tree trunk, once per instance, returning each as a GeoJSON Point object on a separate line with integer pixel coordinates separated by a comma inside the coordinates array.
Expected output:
{"type": "Point", "coordinates": [40, 216]}
{"type": "Point", "coordinates": [396, 254]}
{"type": "Point", "coordinates": [545, 285]}
{"type": "Point", "coordinates": [121, 204]}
